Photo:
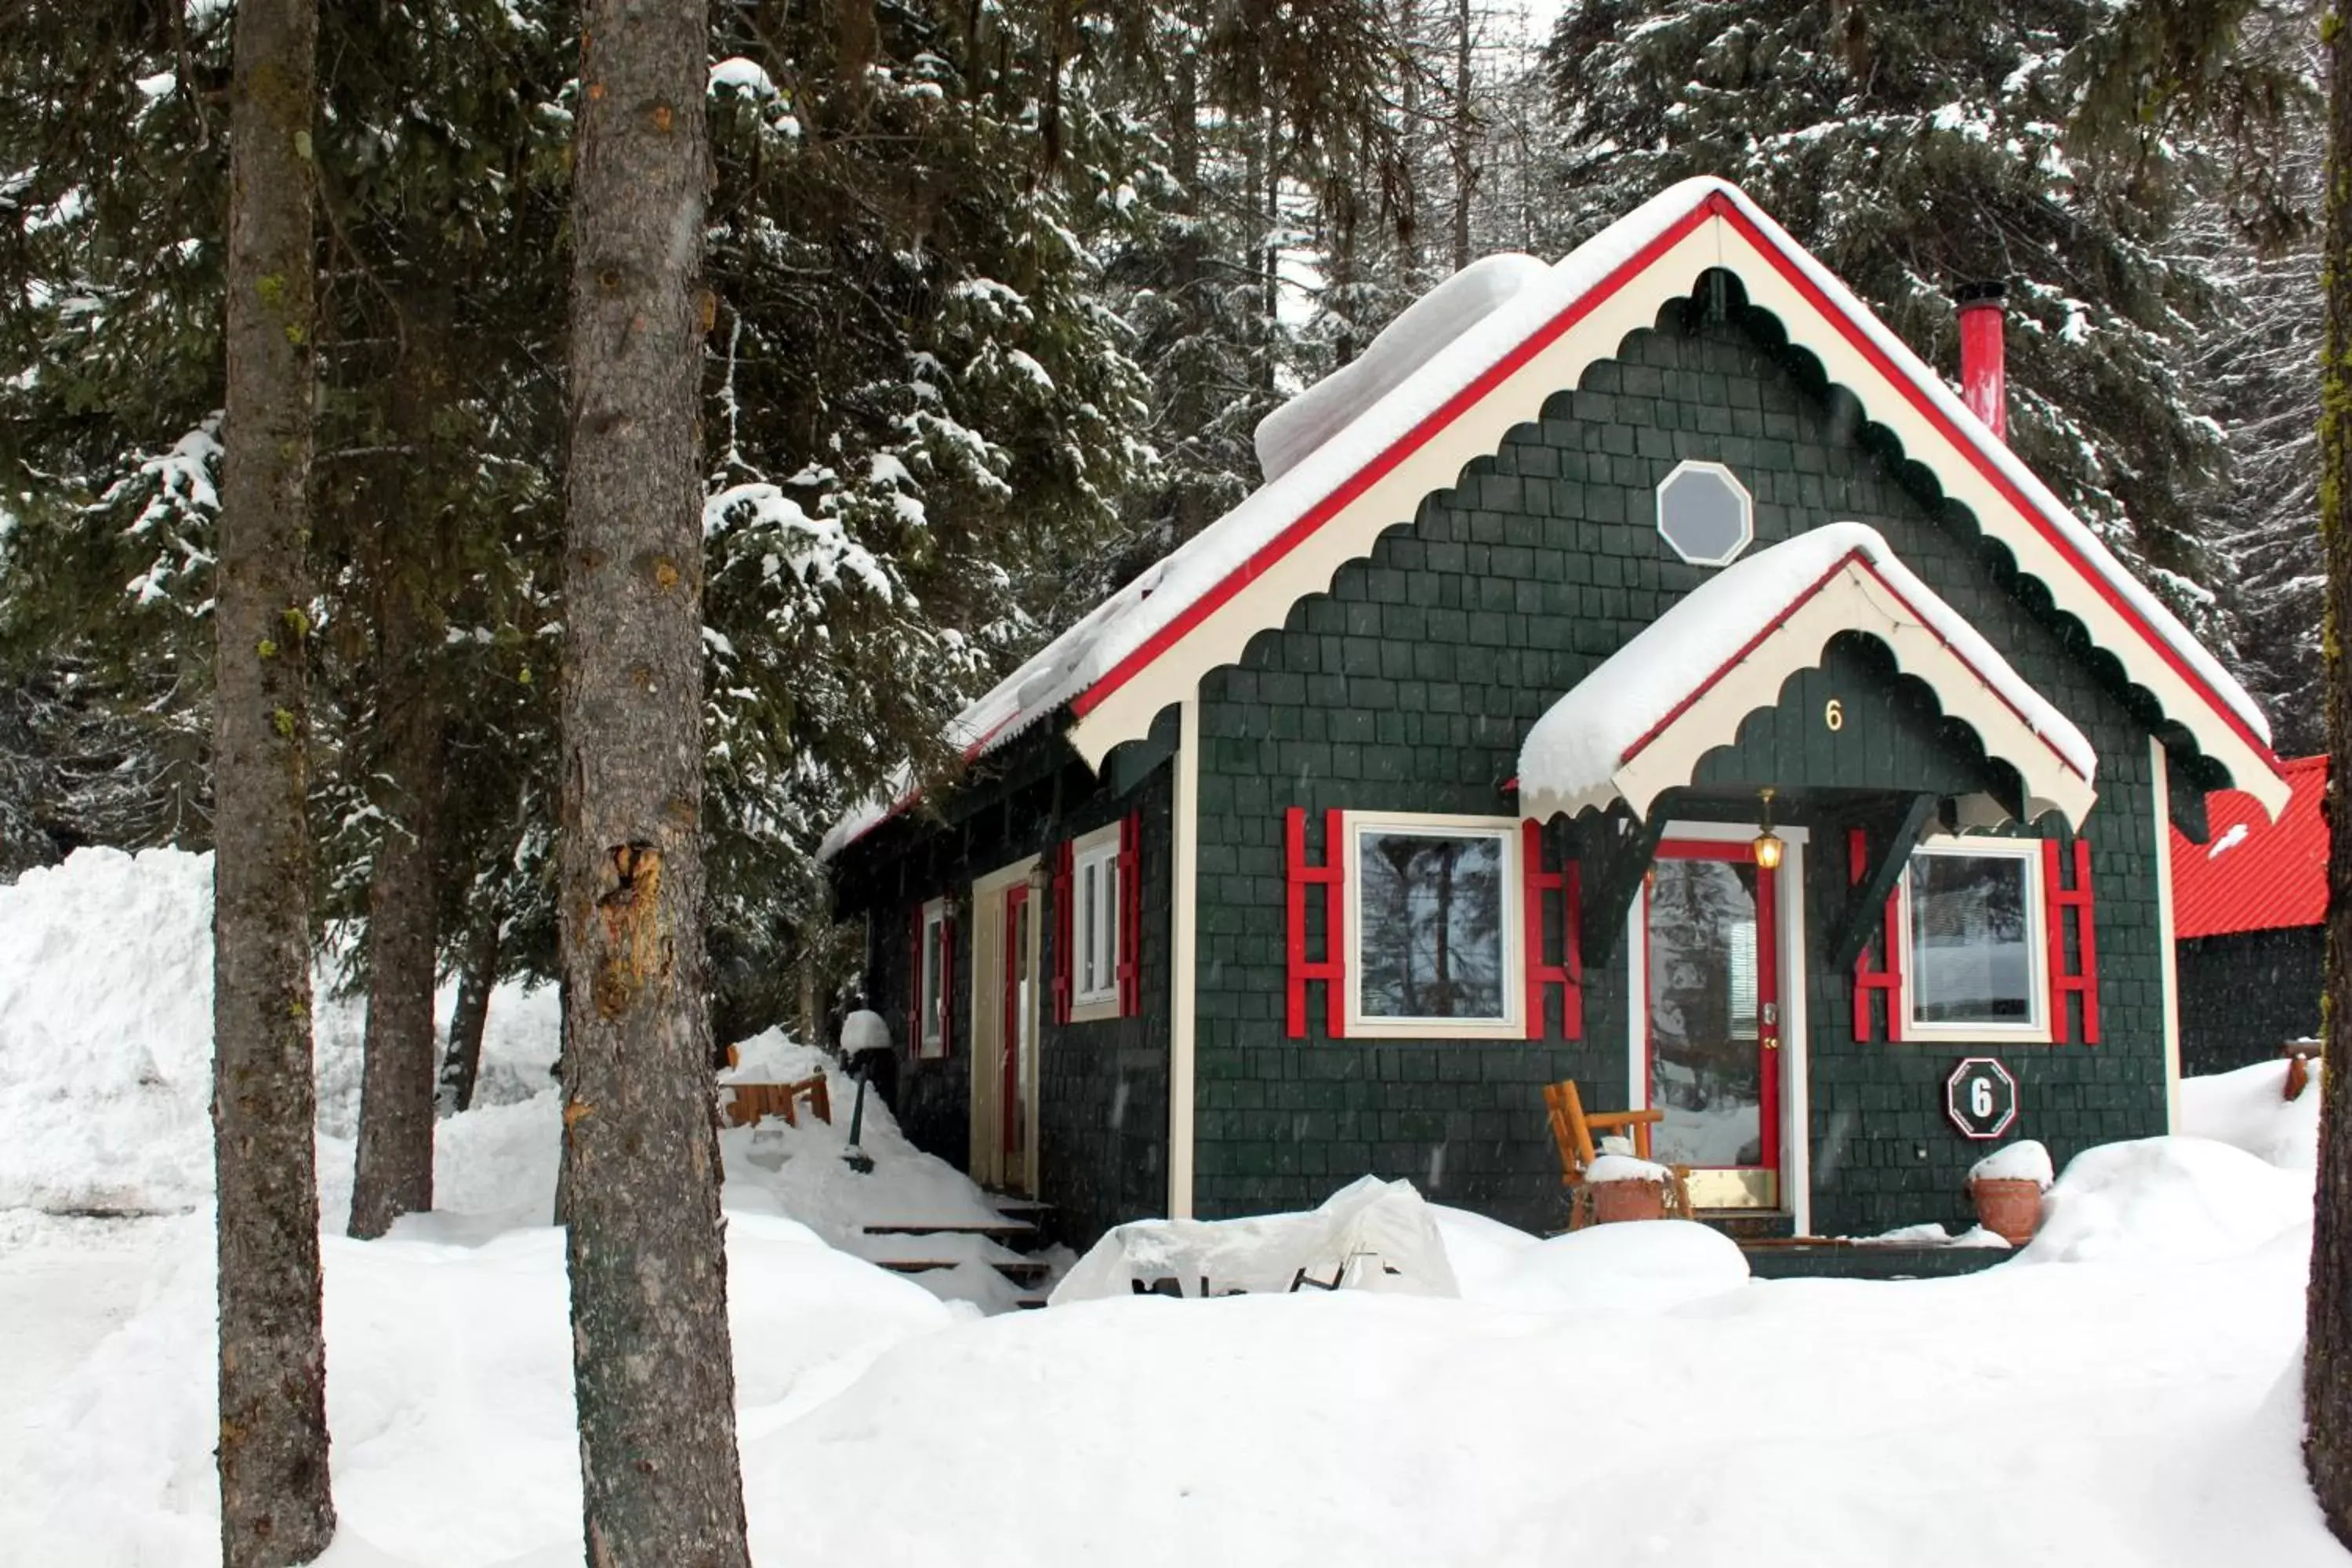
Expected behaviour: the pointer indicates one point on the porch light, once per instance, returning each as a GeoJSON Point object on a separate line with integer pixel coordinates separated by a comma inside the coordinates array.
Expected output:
{"type": "Point", "coordinates": [1768, 843]}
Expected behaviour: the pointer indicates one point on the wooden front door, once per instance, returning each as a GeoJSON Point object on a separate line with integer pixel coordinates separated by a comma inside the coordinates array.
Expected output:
{"type": "Point", "coordinates": [1712, 991]}
{"type": "Point", "coordinates": [1005, 993]}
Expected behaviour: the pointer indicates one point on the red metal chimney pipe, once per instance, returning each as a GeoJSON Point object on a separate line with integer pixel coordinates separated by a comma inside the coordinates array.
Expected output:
{"type": "Point", "coordinates": [1984, 382]}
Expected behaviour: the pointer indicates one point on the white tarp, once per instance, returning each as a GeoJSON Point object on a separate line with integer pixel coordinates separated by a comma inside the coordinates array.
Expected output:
{"type": "Point", "coordinates": [1369, 1236]}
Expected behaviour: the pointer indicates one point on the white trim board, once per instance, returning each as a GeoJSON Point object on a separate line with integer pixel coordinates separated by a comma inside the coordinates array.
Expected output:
{"type": "Point", "coordinates": [1184, 855]}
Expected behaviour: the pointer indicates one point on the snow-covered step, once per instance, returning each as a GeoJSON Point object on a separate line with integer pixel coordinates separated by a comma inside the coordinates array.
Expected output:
{"type": "Point", "coordinates": [1024, 1271]}
{"type": "Point", "coordinates": [1010, 1231]}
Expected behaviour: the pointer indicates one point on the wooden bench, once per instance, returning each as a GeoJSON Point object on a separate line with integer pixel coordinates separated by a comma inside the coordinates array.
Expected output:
{"type": "Point", "coordinates": [750, 1101]}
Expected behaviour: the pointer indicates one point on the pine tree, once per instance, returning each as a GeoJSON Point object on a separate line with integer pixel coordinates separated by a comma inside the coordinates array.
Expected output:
{"type": "Point", "coordinates": [1921, 149]}
{"type": "Point", "coordinates": [275, 1503]}
{"type": "Point", "coordinates": [653, 1374]}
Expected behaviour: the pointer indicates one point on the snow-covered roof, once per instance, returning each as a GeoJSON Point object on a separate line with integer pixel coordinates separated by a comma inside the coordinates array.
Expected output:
{"type": "Point", "coordinates": [1145, 645]}
{"type": "Point", "coordinates": [1640, 723]}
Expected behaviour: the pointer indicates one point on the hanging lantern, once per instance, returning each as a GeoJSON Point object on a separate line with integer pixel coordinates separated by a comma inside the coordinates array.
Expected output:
{"type": "Point", "coordinates": [1768, 846]}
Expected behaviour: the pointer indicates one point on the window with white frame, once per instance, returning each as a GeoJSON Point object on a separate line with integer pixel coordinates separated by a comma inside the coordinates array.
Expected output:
{"type": "Point", "coordinates": [1433, 935]}
{"type": "Point", "coordinates": [1975, 964]}
{"type": "Point", "coordinates": [1094, 925]}
{"type": "Point", "coordinates": [933, 990]}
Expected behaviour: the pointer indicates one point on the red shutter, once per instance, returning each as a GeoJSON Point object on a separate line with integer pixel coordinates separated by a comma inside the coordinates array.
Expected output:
{"type": "Point", "coordinates": [1331, 876]}
{"type": "Point", "coordinates": [1131, 915]}
{"type": "Point", "coordinates": [1567, 975]}
{"type": "Point", "coordinates": [2081, 979]}
{"type": "Point", "coordinates": [1064, 933]}
{"type": "Point", "coordinates": [915, 983]}
{"type": "Point", "coordinates": [1884, 981]}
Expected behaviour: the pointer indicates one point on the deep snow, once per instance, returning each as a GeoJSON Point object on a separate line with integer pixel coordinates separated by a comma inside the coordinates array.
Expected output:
{"type": "Point", "coordinates": [2122, 1392]}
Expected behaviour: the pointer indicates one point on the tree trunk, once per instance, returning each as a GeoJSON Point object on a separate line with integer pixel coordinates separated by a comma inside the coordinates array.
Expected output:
{"type": "Point", "coordinates": [394, 1169]}
{"type": "Point", "coordinates": [1466, 150]}
{"type": "Point", "coordinates": [651, 1367]}
{"type": "Point", "coordinates": [477, 977]}
{"type": "Point", "coordinates": [2328, 1344]}
{"type": "Point", "coordinates": [276, 1505]}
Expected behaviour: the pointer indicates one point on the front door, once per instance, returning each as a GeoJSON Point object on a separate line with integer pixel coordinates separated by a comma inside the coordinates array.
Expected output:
{"type": "Point", "coordinates": [1712, 994]}
{"type": "Point", "coordinates": [1019, 1065]}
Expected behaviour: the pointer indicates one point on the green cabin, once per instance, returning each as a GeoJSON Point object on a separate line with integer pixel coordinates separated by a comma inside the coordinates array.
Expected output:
{"type": "Point", "coordinates": [1642, 670]}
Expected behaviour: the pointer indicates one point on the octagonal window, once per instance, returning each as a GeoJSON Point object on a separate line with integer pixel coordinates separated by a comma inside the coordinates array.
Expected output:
{"type": "Point", "coordinates": [1705, 513]}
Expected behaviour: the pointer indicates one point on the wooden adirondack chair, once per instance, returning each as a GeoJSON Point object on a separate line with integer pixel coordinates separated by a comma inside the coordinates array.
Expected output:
{"type": "Point", "coordinates": [1573, 1130]}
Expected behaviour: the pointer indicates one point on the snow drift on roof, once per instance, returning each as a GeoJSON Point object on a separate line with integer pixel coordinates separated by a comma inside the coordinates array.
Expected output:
{"type": "Point", "coordinates": [1572, 754]}
{"type": "Point", "coordinates": [1403, 346]}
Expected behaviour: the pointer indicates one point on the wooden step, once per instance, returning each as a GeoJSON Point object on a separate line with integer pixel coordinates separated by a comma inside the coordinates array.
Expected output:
{"type": "Point", "coordinates": [1022, 1271]}
{"type": "Point", "coordinates": [1008, 1231]}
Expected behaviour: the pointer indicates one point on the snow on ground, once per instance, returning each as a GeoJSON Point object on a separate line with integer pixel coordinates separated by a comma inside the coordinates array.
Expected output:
{"type": "Point", "coordinates": [2249, 1107]}
{"type": "Point", "coordinates": [2122, 1392]}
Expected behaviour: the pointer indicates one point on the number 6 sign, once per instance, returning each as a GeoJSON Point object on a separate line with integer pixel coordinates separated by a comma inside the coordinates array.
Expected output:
{"type": "Point", "coordinates": [1982, 1097]}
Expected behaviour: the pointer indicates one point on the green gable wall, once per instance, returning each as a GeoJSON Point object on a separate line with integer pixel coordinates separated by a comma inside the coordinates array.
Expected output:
{"type": "Point", "coordinates": [1409, 687]}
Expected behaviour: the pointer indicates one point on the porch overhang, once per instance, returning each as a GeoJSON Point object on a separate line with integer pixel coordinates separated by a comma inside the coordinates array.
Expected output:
{"type": "Point", "coordinates": [1638, 725]}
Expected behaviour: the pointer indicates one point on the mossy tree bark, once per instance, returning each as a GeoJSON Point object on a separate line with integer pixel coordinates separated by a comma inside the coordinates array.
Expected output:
{"type": "Point", "coordinates": [276, 1505]}
{"type": "Point", "coordinates": [651, 1366]}
{"type": "Point", "coordinates": [2327, 1354]}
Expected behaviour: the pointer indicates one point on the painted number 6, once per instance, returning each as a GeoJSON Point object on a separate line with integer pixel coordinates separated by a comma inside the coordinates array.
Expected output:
{"type": "Point", "coordinates": [1835, 715]}
{"type": "Point", "coordinates": [1981, 1097]}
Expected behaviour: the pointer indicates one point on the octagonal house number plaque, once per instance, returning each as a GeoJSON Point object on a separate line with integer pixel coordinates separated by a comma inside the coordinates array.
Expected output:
{"type": "Point", "coordinates": [1981, 1097]}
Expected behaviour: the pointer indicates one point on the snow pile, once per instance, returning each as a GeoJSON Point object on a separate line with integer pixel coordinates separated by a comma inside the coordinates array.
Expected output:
{"type": "Point", "coordinates": [1573, 753]}
{"type": "Point", "coordinates": [1651, 1267]}
{"type": "Point", "coordinates": [1933, 1234]}
{"type": "Point", "coordinates": [449, 1391]}
{"type": "Point", "coordinates": [106, 1029]}
{"type": "Point", "coordinates": [2172, 1198]}
{"type": "Point", "coordinates": [801, 1172]}
{"type": "Point", "coordinates": [1288, 435]}
{"type": "Point", "coordinates": [1616, 1167]}
{"type": "Point", "coordinates": [2023, 1161]}
{"type": "Point", "coordinates": [2249, 1109]}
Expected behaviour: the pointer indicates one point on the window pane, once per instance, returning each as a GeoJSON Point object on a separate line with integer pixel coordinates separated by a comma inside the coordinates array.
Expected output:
{"type": "Point", "coordinates": [1970, 959]}
{"type": "Point", "coordinates": [1088, 945]}
{"type": "Point", "coordinates": [1431, 946]}
{"type": "Point", "coordinates": [1705, 1066]}
{"type": "Point", "coordinates": [932, 978]}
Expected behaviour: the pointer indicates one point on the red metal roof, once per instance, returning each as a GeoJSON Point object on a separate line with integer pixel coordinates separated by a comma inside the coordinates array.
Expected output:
{"type": "Point", "coordinates": [2253, 874]}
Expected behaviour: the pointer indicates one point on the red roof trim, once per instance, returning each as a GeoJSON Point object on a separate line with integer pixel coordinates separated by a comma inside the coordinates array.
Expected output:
{"type": "Point", "coordinates": [1717, 205]}
{"type": "Point", "coordinates": [1919, 398]}
{"type": "Point", "coordinates": [1850, 558]}
{"type": "Point", "coordinates": [1411, 441]}
{"type": "Point", "coordinates": [2272, 876]}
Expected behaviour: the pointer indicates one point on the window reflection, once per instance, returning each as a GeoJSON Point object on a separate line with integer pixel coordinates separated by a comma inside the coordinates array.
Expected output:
{"type": "Point", "coordinates": [1432, 909]}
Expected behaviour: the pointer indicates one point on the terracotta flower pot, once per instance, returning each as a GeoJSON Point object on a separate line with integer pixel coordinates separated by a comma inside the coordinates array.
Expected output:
{"type": "Point", "coordinates": [2009, 1207]}
{"type": "Point", "coordinates": [1613, 1201]}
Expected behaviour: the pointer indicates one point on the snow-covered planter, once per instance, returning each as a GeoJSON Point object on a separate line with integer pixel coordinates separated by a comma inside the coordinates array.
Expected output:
{"type": "Point", "coordinates": [1623, 1187]}
{"type": "Point", "coordinates": [2007, 1185]}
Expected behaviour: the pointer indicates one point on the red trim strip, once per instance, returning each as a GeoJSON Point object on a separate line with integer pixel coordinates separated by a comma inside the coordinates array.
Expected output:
{"type": "Point", "coordinates": [1371, 473]}
{"type": "Point", "coordinates": [1885, 980]}
{"type": "Point", "coordinates": [1569, 974]}
{"type": "Point", "coordinates": [1131, 915]}
{"type": "Point", "coordinates": [2082, 980]}
{"type": "Point", "coordinates": [1331, 876]}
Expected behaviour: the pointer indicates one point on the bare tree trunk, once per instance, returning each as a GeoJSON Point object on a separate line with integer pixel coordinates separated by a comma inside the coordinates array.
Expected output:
{"type": "Point", "coordinates": [1466, 150]}
{"type": "Point", "coordinates": [275, 1503]}
{"type": "Point", "coordinates": [477, 977]}
{"type": "Point", "coordinates": [393, 1173]}
{"type": "Point", "coordinates": [652, 1373]}
{"type": "Point", "coordinates": [2328, 1343]}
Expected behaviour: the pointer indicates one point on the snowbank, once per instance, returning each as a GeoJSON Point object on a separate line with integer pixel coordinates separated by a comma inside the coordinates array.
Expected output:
{"type": "Point", "coordinates": [106, 998]}
{"type": "Point", "coordinates": [106, 994]}
{"type": "Point", "coordinates": [2249, 1109]}
{"type": "Point", "coordinates": [2173, 1198]}
{"type": "Point", "coordinates": [1651, 1267]}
